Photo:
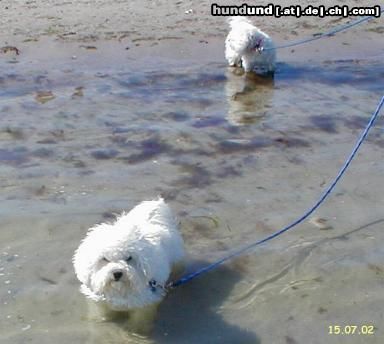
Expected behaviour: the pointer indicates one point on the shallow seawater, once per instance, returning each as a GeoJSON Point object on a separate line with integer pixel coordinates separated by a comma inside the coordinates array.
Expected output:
{"type": "Point", "coordinates": [236, 157]}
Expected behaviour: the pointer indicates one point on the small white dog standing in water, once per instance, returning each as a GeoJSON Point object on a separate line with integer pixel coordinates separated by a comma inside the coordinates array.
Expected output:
{"type": "Point", "coordinates": [248, 47]}
{"type": "Point", "coordinates": [125, 265]}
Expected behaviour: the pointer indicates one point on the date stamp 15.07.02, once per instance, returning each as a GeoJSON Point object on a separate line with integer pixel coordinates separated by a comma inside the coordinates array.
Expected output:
{"type": "Point", "coordinates": [351, 330]}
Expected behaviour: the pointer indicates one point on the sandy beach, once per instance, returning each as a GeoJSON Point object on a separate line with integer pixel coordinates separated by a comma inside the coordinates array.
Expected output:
{"type": "Point", "coordinates": [134, 24]}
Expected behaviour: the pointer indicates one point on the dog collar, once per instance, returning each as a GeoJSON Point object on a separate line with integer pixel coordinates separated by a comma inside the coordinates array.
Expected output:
{"type": "Point", "coordinates": [154, 285]}
{"type": "Point", "coordinates": [259, 46]}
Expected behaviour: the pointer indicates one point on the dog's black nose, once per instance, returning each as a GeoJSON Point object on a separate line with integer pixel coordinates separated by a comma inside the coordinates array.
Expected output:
{"type": "Point", "coordinates": [117, 275]}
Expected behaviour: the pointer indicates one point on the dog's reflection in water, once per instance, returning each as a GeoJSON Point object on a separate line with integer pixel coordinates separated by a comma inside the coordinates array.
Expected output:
{"type": "Point", "coordinates": [249, 96]}
{"type": "Point", "coordinates": [139, 320]}
{"type": "Point", "coordinates": [106, 326]}
{"type": "Point", "coordinates": [189, 314]}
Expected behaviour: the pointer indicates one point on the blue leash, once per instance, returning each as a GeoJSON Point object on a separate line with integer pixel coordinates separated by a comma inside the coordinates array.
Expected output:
{"type": "Point", "coordinates": [325, 34]}
{"type": "Point", "coordinates": [240, 251]}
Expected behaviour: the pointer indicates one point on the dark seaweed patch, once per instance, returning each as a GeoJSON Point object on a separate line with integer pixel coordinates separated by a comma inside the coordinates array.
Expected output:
{"type": "Point", "coordinates": [148, 149]}
{"type": "Point", "coordinates": [377, 142]}
{"type": "Point", "coordinates": [201, 80]}
{"type": "Point", "coordinates": [324, 123]}
{"type": "Point", "coordinates": [120, 140]}
{"type": "Point", "coordinates": [290, 340]}
{"type": "Point", "coordinates": [79, 164]}
{"type": "Point", "coordinates": [104, 154]}
{"type": "Point", "coordinates": [54, 136]}
{"type": "Point", "coordinates": [136, 81]}
{"type": "Point", "coordinates": [228, 171]}
{"type": "Point", "coordinates": [202, 229]}
{"type": "Point", "coordinates": [213, 198]}
{"type": "Point", "coordinates": [47, 141]}
{"type": "Point", "coordinates": [292, 142]}
{"type": "Point", "coordinates": [200, 103]}
{"type": "Point", "coordinates": [71, 159]}
{"type": "Point", "coordinates": [43, 153]}
{"type": "Point", "coordinates": [322, 310]}
{"type": "Point", "coordinates": [121, 130]}
{"type": "Point", "coordinates": [41, 191]}
{"type": "Point", "coordinates": [376, 269]}
{"type": "Point", "coordinates": [177, 116]}
{"type": "Point", "coordinates": [17, 156]}
{"type": "Point", "coordinates": [197, 177]}
{"type": "Point", "coordinates": [15, 133]}
{"type": "Point", "coordinates": [233, 129]}
{"type": "Point", "coordinates": [356, 122]}
{"type": "Point", "coordinates": [208, 122]}
{"type": "Point", "coordinates": [58, 134]}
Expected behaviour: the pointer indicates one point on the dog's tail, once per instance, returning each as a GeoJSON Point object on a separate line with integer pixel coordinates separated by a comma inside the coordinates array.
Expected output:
{"type": "Point", "coordinates": [236, 20]}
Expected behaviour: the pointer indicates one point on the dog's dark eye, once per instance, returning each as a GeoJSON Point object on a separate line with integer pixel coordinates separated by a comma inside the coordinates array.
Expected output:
{"type": "Point", "coordinates": [128, 259]}
{"type": "Point", "coordinates": [105, 260]}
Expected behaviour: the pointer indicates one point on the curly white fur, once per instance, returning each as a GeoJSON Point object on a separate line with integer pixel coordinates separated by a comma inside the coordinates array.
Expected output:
{"type": "Point", "coordinates": [118, 263]}
{"type": "Point", "coordinates": [249, 47]}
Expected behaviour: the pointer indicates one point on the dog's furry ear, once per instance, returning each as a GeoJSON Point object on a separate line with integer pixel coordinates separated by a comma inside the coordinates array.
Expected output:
{"type": "Point", "coordinates": [87, 254]}
{"type": "Point", "coordinates": [145, 266]}
{"type": "Point", "coordinates": [154, 266]}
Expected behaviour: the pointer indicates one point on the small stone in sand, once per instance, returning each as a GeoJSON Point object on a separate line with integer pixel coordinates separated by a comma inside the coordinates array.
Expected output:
{"type": "Point", "coordinates": [78, 92]}
{"type": "Point", "coordinates": [320, 223]}
{"type": "Point", "coordinates": [44, 96]}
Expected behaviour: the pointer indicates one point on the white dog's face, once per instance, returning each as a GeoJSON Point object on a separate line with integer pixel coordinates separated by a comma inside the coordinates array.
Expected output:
{"type": "Point", "coordinates": [117, 270]}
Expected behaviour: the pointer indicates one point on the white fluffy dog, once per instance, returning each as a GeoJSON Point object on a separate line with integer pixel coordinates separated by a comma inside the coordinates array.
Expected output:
{"type": "Point", "coordinates": [248, 47]}
{"type": "Point", "coordinates": [125, 265]}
